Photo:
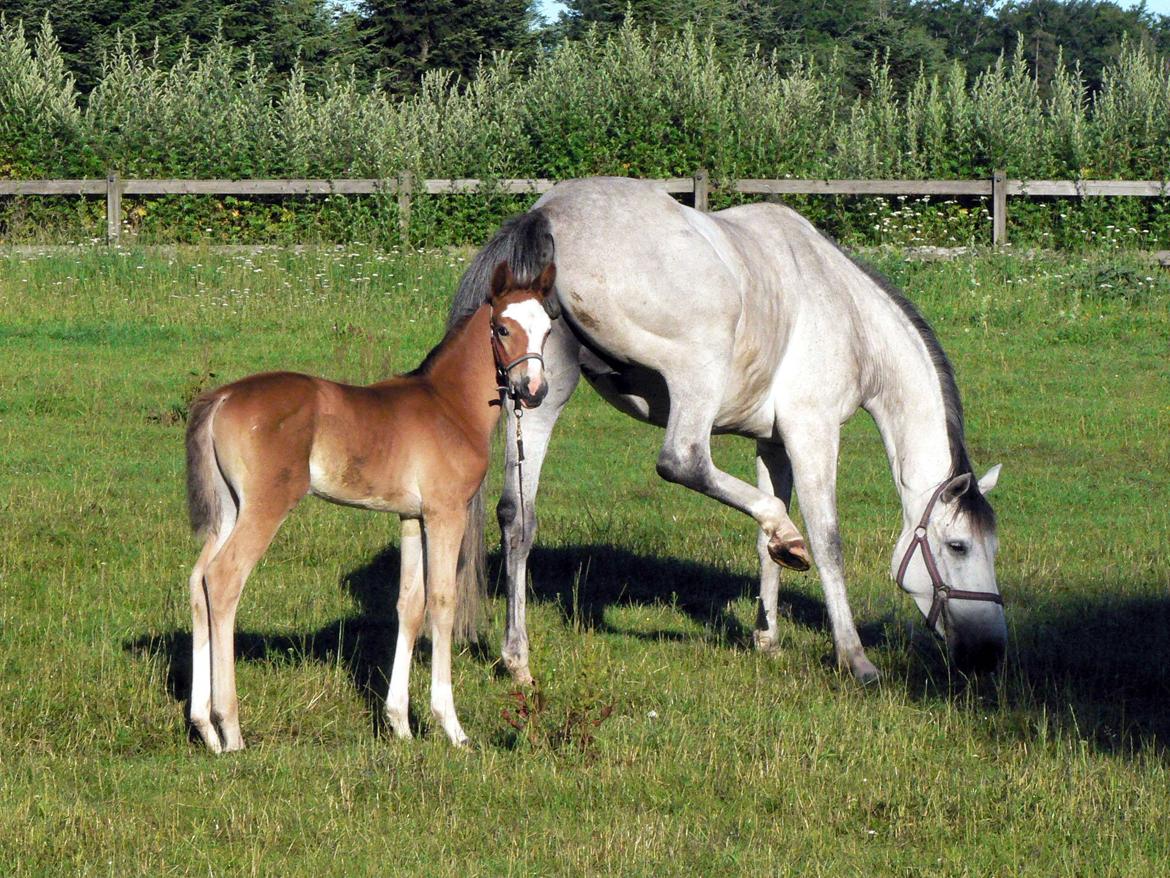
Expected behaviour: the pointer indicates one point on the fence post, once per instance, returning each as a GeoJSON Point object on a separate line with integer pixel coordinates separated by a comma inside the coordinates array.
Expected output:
{"type": "Point", "coordinates": [999, 207]}
{"type": "Point", "coordinates": [405, 188]}
{"type": "Point", "coordinates": [702, 189]}
{"type": "Point", "coordinates": [113, 208]}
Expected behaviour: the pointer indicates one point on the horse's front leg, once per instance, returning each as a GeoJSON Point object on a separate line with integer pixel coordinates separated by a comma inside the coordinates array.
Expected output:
{"type": "Point", "coordinates": [686, 460]}
{"type": "Point", "coordinates": [812, 448]}
{"type": "Point", "coordinates": [517, 517]}
{"type": "Point", "coordinates": [444, 532]}
{"type": "Point", "coordinates": [411, 606]}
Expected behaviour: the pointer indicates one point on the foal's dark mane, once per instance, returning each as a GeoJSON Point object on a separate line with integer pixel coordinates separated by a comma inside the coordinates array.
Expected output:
{"type": "Point", "coordinates": [972, 502]}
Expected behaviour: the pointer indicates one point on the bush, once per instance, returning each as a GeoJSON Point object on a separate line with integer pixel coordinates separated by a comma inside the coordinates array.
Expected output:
{"type": "Point", "coordinates": [633, 103]}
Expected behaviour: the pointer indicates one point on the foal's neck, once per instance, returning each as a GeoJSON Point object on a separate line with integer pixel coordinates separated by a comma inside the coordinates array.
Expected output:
{"type": "Point", "coordinates": [462, 372]}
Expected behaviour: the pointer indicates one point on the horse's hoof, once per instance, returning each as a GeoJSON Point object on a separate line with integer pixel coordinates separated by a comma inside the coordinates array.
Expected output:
{"type": "Point", "coordinates": [791, 553]}
{"type": "Point", "coordinates": [765, 643]}
{"type": "Point", "coordinates": [522, 677]}
{"type": "Point", "coordinates": [865, 673]}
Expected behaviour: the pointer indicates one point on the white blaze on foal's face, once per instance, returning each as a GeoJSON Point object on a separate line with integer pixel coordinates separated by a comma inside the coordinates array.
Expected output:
{"type": "Point", "coordinates": [521, 329]}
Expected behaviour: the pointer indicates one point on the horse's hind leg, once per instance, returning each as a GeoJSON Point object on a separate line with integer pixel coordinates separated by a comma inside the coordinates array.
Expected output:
{"type": "Point", "coordinates": [517, 517]}
{"type": "Point", "coordinates": [224, 580]}
{"type": "Point", "coordinates": [774, 476]}
{"type": "Point", "coordinates": [411, 604]}
{"type": "Point", "coordinates": [686, 460]}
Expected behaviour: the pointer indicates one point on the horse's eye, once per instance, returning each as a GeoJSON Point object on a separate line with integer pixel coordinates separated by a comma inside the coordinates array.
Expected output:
{"type": "Point", "coordinates": [958, 547]}
{"type": "Point", "coordinates": [501, 331]}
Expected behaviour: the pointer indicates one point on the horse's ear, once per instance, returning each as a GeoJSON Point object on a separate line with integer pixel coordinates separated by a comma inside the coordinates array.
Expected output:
{"type": "Point", "coordinates": [989, 480]}
{"type": "Point", "coordinates": [957, 487]}
{"type": "Point", "coordinates": [502, 278]}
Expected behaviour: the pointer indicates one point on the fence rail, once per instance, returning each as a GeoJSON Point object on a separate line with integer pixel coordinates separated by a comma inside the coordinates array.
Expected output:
{"type": "Point", "coordinates": [998, 187]}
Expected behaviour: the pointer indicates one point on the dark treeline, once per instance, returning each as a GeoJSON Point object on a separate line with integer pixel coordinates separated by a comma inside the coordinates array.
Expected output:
{"type": "Point", "coordinates": [395, 43]}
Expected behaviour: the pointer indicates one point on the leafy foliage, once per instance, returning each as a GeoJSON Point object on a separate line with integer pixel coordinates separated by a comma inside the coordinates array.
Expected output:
{"type": "Point", "coordinates": [633, 102]}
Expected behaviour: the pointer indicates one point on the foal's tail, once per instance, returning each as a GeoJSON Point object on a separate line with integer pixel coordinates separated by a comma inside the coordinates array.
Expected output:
{"type": "Point", "coordinates": [526, 243]}
{"type": "Point", "coordinates": [203, 506]}
{"type": "Point", "coordinates": [471, 575]}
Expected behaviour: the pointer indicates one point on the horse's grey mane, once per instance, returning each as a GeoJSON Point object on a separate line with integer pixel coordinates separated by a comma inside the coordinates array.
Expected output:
{"type": "Point", "coordinates": [525, 242]}
{"type": "Point", "coordinates": [972, 501]}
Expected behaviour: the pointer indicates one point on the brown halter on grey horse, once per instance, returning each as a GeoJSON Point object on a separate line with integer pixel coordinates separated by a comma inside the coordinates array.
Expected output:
{"type": "Point", "coordinates": [795, 337]}
{"type": "Point", "coordinates": [417, 445]}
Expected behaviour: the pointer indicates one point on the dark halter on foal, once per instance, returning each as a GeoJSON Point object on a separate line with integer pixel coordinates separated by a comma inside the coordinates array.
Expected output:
{"type": "Point", "coordinates": [942, 591]}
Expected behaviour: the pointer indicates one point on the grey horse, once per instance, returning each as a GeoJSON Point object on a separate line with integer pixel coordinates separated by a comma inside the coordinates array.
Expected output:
{"type": "Point", "coordinates": [750, 321]}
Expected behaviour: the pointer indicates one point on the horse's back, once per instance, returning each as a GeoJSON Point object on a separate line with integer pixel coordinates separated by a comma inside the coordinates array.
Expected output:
{"type": "Point", "coordinates": [637, 272]}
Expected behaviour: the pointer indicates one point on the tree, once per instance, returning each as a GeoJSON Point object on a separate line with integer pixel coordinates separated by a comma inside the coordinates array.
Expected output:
{"type": "Point", "coordinates": [277, 32]}
{"type": "Point", "coordinates": [409, 37]}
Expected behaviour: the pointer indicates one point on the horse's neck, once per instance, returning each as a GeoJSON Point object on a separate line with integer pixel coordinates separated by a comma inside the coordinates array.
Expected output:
{"type": "Point", "coordinates": [909, 408]}
{"type": "Point", "coordinates": [463, 372]}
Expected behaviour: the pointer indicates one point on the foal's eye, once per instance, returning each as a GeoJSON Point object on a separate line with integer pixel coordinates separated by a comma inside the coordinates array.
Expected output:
{"type": "Point", "coordinates": [958, 547]}
{"type": "Point", "coordinates": [501, 331]}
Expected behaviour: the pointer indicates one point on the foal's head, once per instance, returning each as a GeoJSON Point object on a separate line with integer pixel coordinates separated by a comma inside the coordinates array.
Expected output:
{"type": "Point", "coordinates": [521, 320]}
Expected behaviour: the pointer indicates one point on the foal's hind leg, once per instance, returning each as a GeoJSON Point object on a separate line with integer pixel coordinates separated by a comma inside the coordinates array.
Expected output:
{"type": "Point", "coordinates": [774, 476]}
{"type": "Point", "coordinates": [224, 579]}
{"type": "Point", "coordinates": [686, 459]}
{"type": "Point", "coordinates": [199, 707]}
{"type": "Point", "coordinates": [517, 517]}
{"type": "Point", "coordinates": [443, 535]}
{"type": "Point", "coordinates": [411, 605]}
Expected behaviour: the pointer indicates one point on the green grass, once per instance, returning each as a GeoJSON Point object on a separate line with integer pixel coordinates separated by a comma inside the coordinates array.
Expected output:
{"type": "Point", "coordinates": [714, 759]}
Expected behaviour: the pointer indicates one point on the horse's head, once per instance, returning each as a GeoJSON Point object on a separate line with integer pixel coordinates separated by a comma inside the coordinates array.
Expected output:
{"type": "Point", "coordinates": [521, 319]}
{"type": "Point", "coordinates": [946, 562]}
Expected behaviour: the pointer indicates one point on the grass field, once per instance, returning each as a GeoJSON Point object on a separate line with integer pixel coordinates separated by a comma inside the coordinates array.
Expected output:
{"type": "Point", "coordinates": [663, 744]}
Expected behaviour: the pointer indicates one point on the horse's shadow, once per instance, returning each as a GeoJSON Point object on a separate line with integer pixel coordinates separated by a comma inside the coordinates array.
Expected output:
{"type": "Point", "coordinates": [1090, 669]}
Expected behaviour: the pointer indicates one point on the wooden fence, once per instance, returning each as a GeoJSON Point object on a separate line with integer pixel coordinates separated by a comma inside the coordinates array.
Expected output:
{"type": "Point", "coordinates": [698, 187]}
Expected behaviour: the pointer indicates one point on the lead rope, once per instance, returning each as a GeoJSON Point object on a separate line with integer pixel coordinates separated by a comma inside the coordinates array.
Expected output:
{"type": "Point", "coordinates": [518, 412]}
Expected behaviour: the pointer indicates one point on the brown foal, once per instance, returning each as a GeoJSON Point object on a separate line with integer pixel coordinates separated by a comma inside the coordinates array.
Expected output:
{"type": "Point", "coordinates": [416, 444]}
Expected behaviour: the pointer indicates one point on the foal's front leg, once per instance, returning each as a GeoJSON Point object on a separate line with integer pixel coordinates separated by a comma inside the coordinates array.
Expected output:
{"type": "Point", "coordinates": [443, 536]}
{"type": "Point", "coordinates": [411, 604]}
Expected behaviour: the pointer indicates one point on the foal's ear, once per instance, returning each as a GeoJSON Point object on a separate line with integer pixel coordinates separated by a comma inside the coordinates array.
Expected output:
{"type": "Point", "coordinates": [547, 279]}
{"type": "Point", "coordinates": [548, 295]}
{"type": "Point", "coordinates": [502, 278]}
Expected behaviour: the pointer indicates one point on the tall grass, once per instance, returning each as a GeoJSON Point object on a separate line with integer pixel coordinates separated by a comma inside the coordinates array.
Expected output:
{"type": "Point", "coordinates": [632, 103]}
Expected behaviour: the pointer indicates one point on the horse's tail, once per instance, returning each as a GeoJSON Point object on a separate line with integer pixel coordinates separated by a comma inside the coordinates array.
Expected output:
{"type": "Point", "coordinates": [471, 575]}
{"type": "Point", "coordinates": [526, 243]}
{"type": "Point", "coordinates": [203, 507]}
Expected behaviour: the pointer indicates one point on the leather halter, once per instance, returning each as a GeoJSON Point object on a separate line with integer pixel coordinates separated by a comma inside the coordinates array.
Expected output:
{"type": "Point", "coordinates": [503, 367]}
{"type": "Point", "coordinates": [942, 591]}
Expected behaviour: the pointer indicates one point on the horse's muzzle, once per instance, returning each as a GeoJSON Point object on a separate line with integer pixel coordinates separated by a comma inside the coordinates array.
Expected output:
{"type": "Point", "coordinates": [979, 653]}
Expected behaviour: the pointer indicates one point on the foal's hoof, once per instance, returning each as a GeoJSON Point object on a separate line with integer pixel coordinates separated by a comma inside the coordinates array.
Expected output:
{"type": "Point", "coordinates": [790, 553]}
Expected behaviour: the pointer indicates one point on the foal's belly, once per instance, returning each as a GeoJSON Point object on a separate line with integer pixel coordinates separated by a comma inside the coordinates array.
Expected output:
{"type": "Point", "coordinates": [353, 481]}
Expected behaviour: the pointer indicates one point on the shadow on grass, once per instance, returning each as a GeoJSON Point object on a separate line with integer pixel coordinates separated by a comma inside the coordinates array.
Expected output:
{"type": "Point", "coordinates": [1090, 669]}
